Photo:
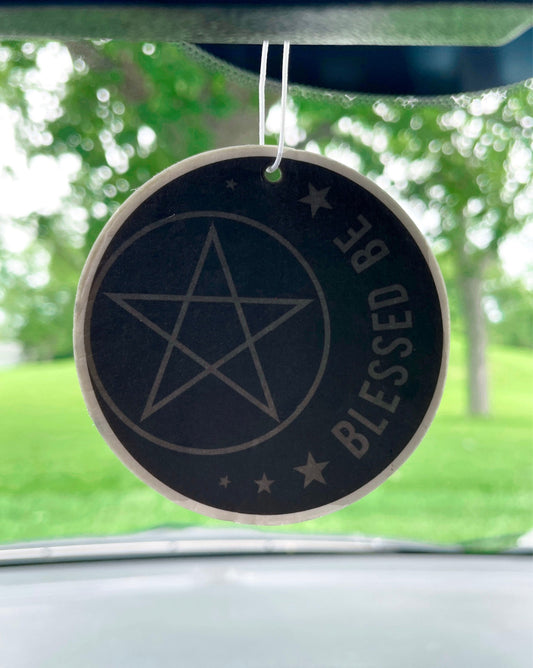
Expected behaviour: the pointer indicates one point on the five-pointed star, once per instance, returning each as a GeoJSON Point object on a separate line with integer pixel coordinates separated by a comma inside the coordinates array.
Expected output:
{"type": "Point", "coordinates": [312, 470]}
{"type": "Point", "coordinates": [266, 404]}
{"type": "Point", "coordinates": [316, 199]}
{"type": "Point", "coordinates": [264, 484]}
{"type": "Point", "coordinates": [224, 482]}
{"type": "Point", "coordinates": [231, 184]}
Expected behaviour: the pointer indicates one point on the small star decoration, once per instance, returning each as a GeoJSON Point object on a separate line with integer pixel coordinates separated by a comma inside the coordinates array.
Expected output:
{"type": "Point", "coordinates": [316, 199]}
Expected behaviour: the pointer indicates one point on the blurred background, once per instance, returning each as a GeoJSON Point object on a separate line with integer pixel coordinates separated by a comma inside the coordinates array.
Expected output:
{"type": "Point", "coordinates": [83, 124]}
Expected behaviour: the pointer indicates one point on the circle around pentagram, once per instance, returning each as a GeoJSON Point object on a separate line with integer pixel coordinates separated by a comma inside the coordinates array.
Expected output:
{"type": "Point", "coordinates": [242, 220]}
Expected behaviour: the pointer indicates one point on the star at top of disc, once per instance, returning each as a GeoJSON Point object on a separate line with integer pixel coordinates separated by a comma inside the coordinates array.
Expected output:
{"type": "Point", "coordinates": [316, 199]}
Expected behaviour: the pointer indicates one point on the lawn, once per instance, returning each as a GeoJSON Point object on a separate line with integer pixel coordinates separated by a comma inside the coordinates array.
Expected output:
{"type": "Point", "coordinates": [469, 479]}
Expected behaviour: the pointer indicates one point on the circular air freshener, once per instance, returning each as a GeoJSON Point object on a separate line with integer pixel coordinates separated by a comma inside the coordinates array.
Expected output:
{"type": "Point", "coordinates": [264, 352]}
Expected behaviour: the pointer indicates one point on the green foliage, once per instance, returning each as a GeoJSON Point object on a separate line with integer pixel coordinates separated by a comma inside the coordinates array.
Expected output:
{"type": "Point", "coordinates": [470, 478]}
{"type": "Point", "coordinates": [470, 164]}
{"type": "Point", "coordinates": [122, 113]}
{"type": "Point", "coordinates": [512, 304]}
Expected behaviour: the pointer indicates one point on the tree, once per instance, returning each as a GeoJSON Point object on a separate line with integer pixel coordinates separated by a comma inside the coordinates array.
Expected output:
{"type": "Point", "coordinates": [118, 113]}
{"type": "Point", "coordinates": [468, 168]}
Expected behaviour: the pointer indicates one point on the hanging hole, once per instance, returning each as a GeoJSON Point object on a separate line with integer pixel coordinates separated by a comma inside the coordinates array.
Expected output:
{"type": "Point", "coordinates": [274, 176]}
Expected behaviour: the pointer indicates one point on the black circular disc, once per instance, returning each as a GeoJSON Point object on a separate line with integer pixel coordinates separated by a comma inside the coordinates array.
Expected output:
{"type": "Point", "coordinates": [260, 351]}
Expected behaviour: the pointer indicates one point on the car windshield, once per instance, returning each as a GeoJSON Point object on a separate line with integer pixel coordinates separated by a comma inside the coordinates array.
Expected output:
{"type": "Point", "coordinates": [84, 124]}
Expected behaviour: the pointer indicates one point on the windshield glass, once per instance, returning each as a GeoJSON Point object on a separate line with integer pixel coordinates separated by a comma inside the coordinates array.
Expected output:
{"type": "Point", "coordinates": [85, 124]}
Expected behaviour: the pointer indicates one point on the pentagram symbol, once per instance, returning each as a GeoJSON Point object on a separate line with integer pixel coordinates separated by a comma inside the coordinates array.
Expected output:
{"type": "Point", "coordinates": [124, 301]}
{"type": "Point", "coordinates": [218, 348]}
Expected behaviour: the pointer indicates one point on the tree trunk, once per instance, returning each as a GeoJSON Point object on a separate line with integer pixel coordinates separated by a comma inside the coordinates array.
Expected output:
{"type": "Point", "coordinates": [476, 335]}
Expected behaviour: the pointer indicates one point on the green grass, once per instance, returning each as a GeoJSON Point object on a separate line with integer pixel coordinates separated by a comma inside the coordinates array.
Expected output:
{"type": "Point", "coordinates": [469, 479]}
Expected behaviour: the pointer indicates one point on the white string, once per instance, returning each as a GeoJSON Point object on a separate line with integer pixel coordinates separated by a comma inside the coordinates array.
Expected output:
{"type": "Point", "coordinates": [284, 87]}
{"type": "Point", "coordinates": [262, 82]}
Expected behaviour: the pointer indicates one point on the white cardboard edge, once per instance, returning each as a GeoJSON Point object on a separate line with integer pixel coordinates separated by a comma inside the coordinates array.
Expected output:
{"type": "Point", "coordinates": [87, 277]}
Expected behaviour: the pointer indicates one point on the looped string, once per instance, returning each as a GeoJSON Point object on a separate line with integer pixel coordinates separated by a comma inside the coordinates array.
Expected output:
{"type": "Point", "coordinates": [284, 88]}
